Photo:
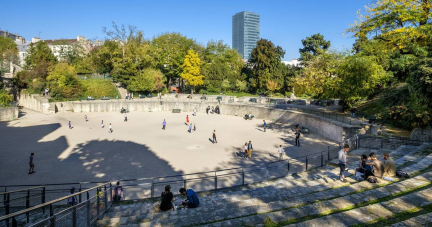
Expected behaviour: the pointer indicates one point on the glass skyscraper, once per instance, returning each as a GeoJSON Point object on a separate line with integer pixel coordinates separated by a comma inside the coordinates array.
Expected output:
{"type": "Point", "coordinates": [245, 32]}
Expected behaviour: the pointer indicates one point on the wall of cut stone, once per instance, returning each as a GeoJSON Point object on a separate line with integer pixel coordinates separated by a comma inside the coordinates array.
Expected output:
{"type": "Point", "coordinates": [36, 102]}
{"type": "Point", "coordinates": [8, 113]}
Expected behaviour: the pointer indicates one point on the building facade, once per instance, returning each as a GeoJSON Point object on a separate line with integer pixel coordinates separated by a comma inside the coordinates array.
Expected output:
{"type": "Point", "coordinates": [245, 32]}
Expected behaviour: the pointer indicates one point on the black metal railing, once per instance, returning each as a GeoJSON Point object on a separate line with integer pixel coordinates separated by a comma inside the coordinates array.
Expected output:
{"type": "Point", "coordinates": [390, 143]}
{"type": "Point", "coordinates": [16, 200]}
{"type": "Point", "coordinates": [62, 212]}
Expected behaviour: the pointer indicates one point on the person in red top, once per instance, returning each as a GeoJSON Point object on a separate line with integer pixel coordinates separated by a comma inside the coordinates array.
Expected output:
{"type": "Point", "coordinates": [187, 119]}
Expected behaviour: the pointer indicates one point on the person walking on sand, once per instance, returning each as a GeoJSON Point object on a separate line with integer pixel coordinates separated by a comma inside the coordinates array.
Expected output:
{"type": "Point", "coordinates": [281, 151]}
{"type": "Point", "coordinates": [245, 150]}
{"type": "Point", "coordinates": [190, 128]}
{"type": "Point", "coordinates": [31, 170]}
{"type": "Point", "coordinates": [110, 128]}
{"type": "Point", "coordinates": [163, 124]}
{"type": "Point", "coordinates": [194, 127]}
{"type": "Point", "coordinates": [214, 137]}
{"type": "Point", "coordinates": [194, 112]}
{"type": "Point", "coordinates": [125, 119]}
{"type": "Point", "coordinates": [85, 117]}
{"type": "Point", "coordinates": [187, 119]}
{"type": "Point", "coordinates": [265, 125]}
{"type": "Point", "coordinates": [102, 124]}
{"type": "Point", "coordinates": [70, 125]}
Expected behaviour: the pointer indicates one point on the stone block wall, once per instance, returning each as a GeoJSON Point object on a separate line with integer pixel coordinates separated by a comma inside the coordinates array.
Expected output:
{"type": "Point", "coordinates": [35, 102]}
{"type": "Point", "coordinates": [8, 113]}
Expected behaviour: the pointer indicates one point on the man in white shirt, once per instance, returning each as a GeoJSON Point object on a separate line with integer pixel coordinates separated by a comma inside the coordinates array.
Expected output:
{"type": "Point", "coordinates": [343, 162]}
{"type": "Point", "coordinates": [281, 151]}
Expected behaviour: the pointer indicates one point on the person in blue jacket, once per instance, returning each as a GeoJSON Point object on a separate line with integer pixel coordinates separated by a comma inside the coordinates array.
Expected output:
{"type": "Point", "coordinates": [192, 200]}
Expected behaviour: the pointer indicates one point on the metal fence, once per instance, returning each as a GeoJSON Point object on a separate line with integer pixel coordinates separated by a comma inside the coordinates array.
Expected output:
{"type": "Point", "coordinates": [60, 212]}
{"type": "Point", "coordinates": [16, 200]}
{"type": "Point", "coordinates": [390, 143]}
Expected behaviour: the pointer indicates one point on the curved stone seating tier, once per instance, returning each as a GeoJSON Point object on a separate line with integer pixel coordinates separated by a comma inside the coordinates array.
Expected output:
{"type": "Point", "coordinates": [283, 200]}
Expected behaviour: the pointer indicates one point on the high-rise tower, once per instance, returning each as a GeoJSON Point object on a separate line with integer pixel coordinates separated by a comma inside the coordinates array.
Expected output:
{"type": "Point", "coordinates": [245, 32]}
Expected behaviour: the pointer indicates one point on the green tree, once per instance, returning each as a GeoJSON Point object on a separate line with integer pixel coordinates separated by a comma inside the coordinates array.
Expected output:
{"type": "Point", "coordinates": [220, 62]}
{"type": "Point", "coordinates": [226, 85]}
{"type": "Point", "coordinates": [312, 47]}
{"type": "Point", "coordinates": [401, 24]}
{"type": "Point", "coordinates": [266, 64]}
{"type": "Point", "coordinates": [104, 57]}
{"type": "Point", "coordinates": [8, 50]}
{"type": "Point", "coordinates": [63, 82]}
{"type": "Point", "coordinates": [170, 51]}
{"type": "Point", "coordinates": [191, 70]}
{"type": "Point", "coordinates": [39, 55]}
{"type": "Point", "coordinates": [241, 85]}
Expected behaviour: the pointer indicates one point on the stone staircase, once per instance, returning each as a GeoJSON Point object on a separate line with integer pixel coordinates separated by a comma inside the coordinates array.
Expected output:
{"type": "Point", "coordinates": [307, 199]}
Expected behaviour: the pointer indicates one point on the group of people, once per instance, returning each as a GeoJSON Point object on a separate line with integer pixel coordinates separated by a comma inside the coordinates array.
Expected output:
{"type": "Point", "coordinates": [167, 198]}
{"type": "Point", "coordinates": [189, 124]}
{"type": "Point", "coordinates": [129, 96]}
{"type": "Point", "coordinates": [247, 150]}
{"type": "Point", "coordinates": [368, 166]}
{"type": "Point", "coordinates": [213, 110]}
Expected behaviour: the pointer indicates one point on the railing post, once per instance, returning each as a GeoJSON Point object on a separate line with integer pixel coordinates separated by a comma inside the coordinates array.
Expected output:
{"type": "Point", "coordinates": [306, 163]}
{"type": "Point", "coordinates": [28, 205]}
{"type": "Point", "coordinates": [52, 217]}
{"type": "Point", "coordinates": [243, 177]}
{"type": "Point", "coordinates": [14, 222]}
{"type": "Point", "coordinates": [74, 216]}
{"type": "Point", "coordinates": [105, 198]}
{"type": "Point", "coordinates": [97, 203]}
{"type": "Point", "coordinates": [79, 197]}
{"type": "Point", "coordinates": [7, 206]}
{"type": "Point", "coordinates": [152, 189]}
{"type": "Point", "coordinates": [88, 210]}
{"type": "Point", "coordinates": [215, 187]}
{"type": "Point", "coordinates": [43, 199]}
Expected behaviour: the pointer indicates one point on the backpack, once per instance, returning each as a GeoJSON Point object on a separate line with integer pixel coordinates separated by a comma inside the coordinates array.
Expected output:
{"type": "Point", "coordinates": [402, 174]}
{"type": "Point", "coordinates": [372, 180]}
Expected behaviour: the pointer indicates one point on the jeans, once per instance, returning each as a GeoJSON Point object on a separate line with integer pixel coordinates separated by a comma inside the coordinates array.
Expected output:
{"type": "Point", "coordinates": [297, 142]}
{"type": "Point", "coordinates": [342, 170]}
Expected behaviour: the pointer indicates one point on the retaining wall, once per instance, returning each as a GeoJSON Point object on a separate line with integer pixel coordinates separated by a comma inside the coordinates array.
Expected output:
{"type": "Point", "coordinates": [8, 113]}
{"type": "Point", "coordinates": [36, 102]}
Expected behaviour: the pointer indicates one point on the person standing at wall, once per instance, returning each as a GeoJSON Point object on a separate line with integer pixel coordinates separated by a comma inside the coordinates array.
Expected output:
{"type": "Point", "coordinates": [31, 170]}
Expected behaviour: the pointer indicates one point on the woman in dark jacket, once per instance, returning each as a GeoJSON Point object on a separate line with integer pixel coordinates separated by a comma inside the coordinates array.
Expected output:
{"type": "Point", "coordinates": [167, 199]}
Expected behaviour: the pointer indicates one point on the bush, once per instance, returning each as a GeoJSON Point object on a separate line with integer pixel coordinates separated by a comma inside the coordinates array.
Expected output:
{"type": "Point", "coordinates": [99, 88]}
{"type": "Point", "coordinates": [63, 81]}
{"type": "Point", "coordinates": [5, 98]}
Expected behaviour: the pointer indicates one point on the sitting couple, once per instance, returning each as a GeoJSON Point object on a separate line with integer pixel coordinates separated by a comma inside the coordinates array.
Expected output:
{"type": "Point", "coordinates": [167, 199]}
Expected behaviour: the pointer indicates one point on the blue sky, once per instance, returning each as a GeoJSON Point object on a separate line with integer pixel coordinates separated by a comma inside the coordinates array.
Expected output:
{"type": "Point", "coordinates": [285, 23]}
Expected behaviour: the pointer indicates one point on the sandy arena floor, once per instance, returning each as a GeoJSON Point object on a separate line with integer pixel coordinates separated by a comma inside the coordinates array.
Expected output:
{"type": "Point", "coordinates": [137, 148]}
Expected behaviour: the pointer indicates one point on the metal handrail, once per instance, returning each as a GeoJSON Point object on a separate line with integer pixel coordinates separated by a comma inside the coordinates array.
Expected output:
{"type": "Point", "coordinates": [20, 190]}
{"type": "Point", "coordinates": [6, 217]}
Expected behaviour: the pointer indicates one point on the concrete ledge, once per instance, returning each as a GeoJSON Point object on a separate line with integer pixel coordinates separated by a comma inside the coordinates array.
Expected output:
{"type": "Point", "coordinates": [8, 113]}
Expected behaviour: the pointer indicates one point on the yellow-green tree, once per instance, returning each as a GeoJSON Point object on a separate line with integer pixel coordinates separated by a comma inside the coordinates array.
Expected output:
{"type": "Point", "coordinates": [400, 23]}
{"type": "Point", "coordinates": [191, 70]}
